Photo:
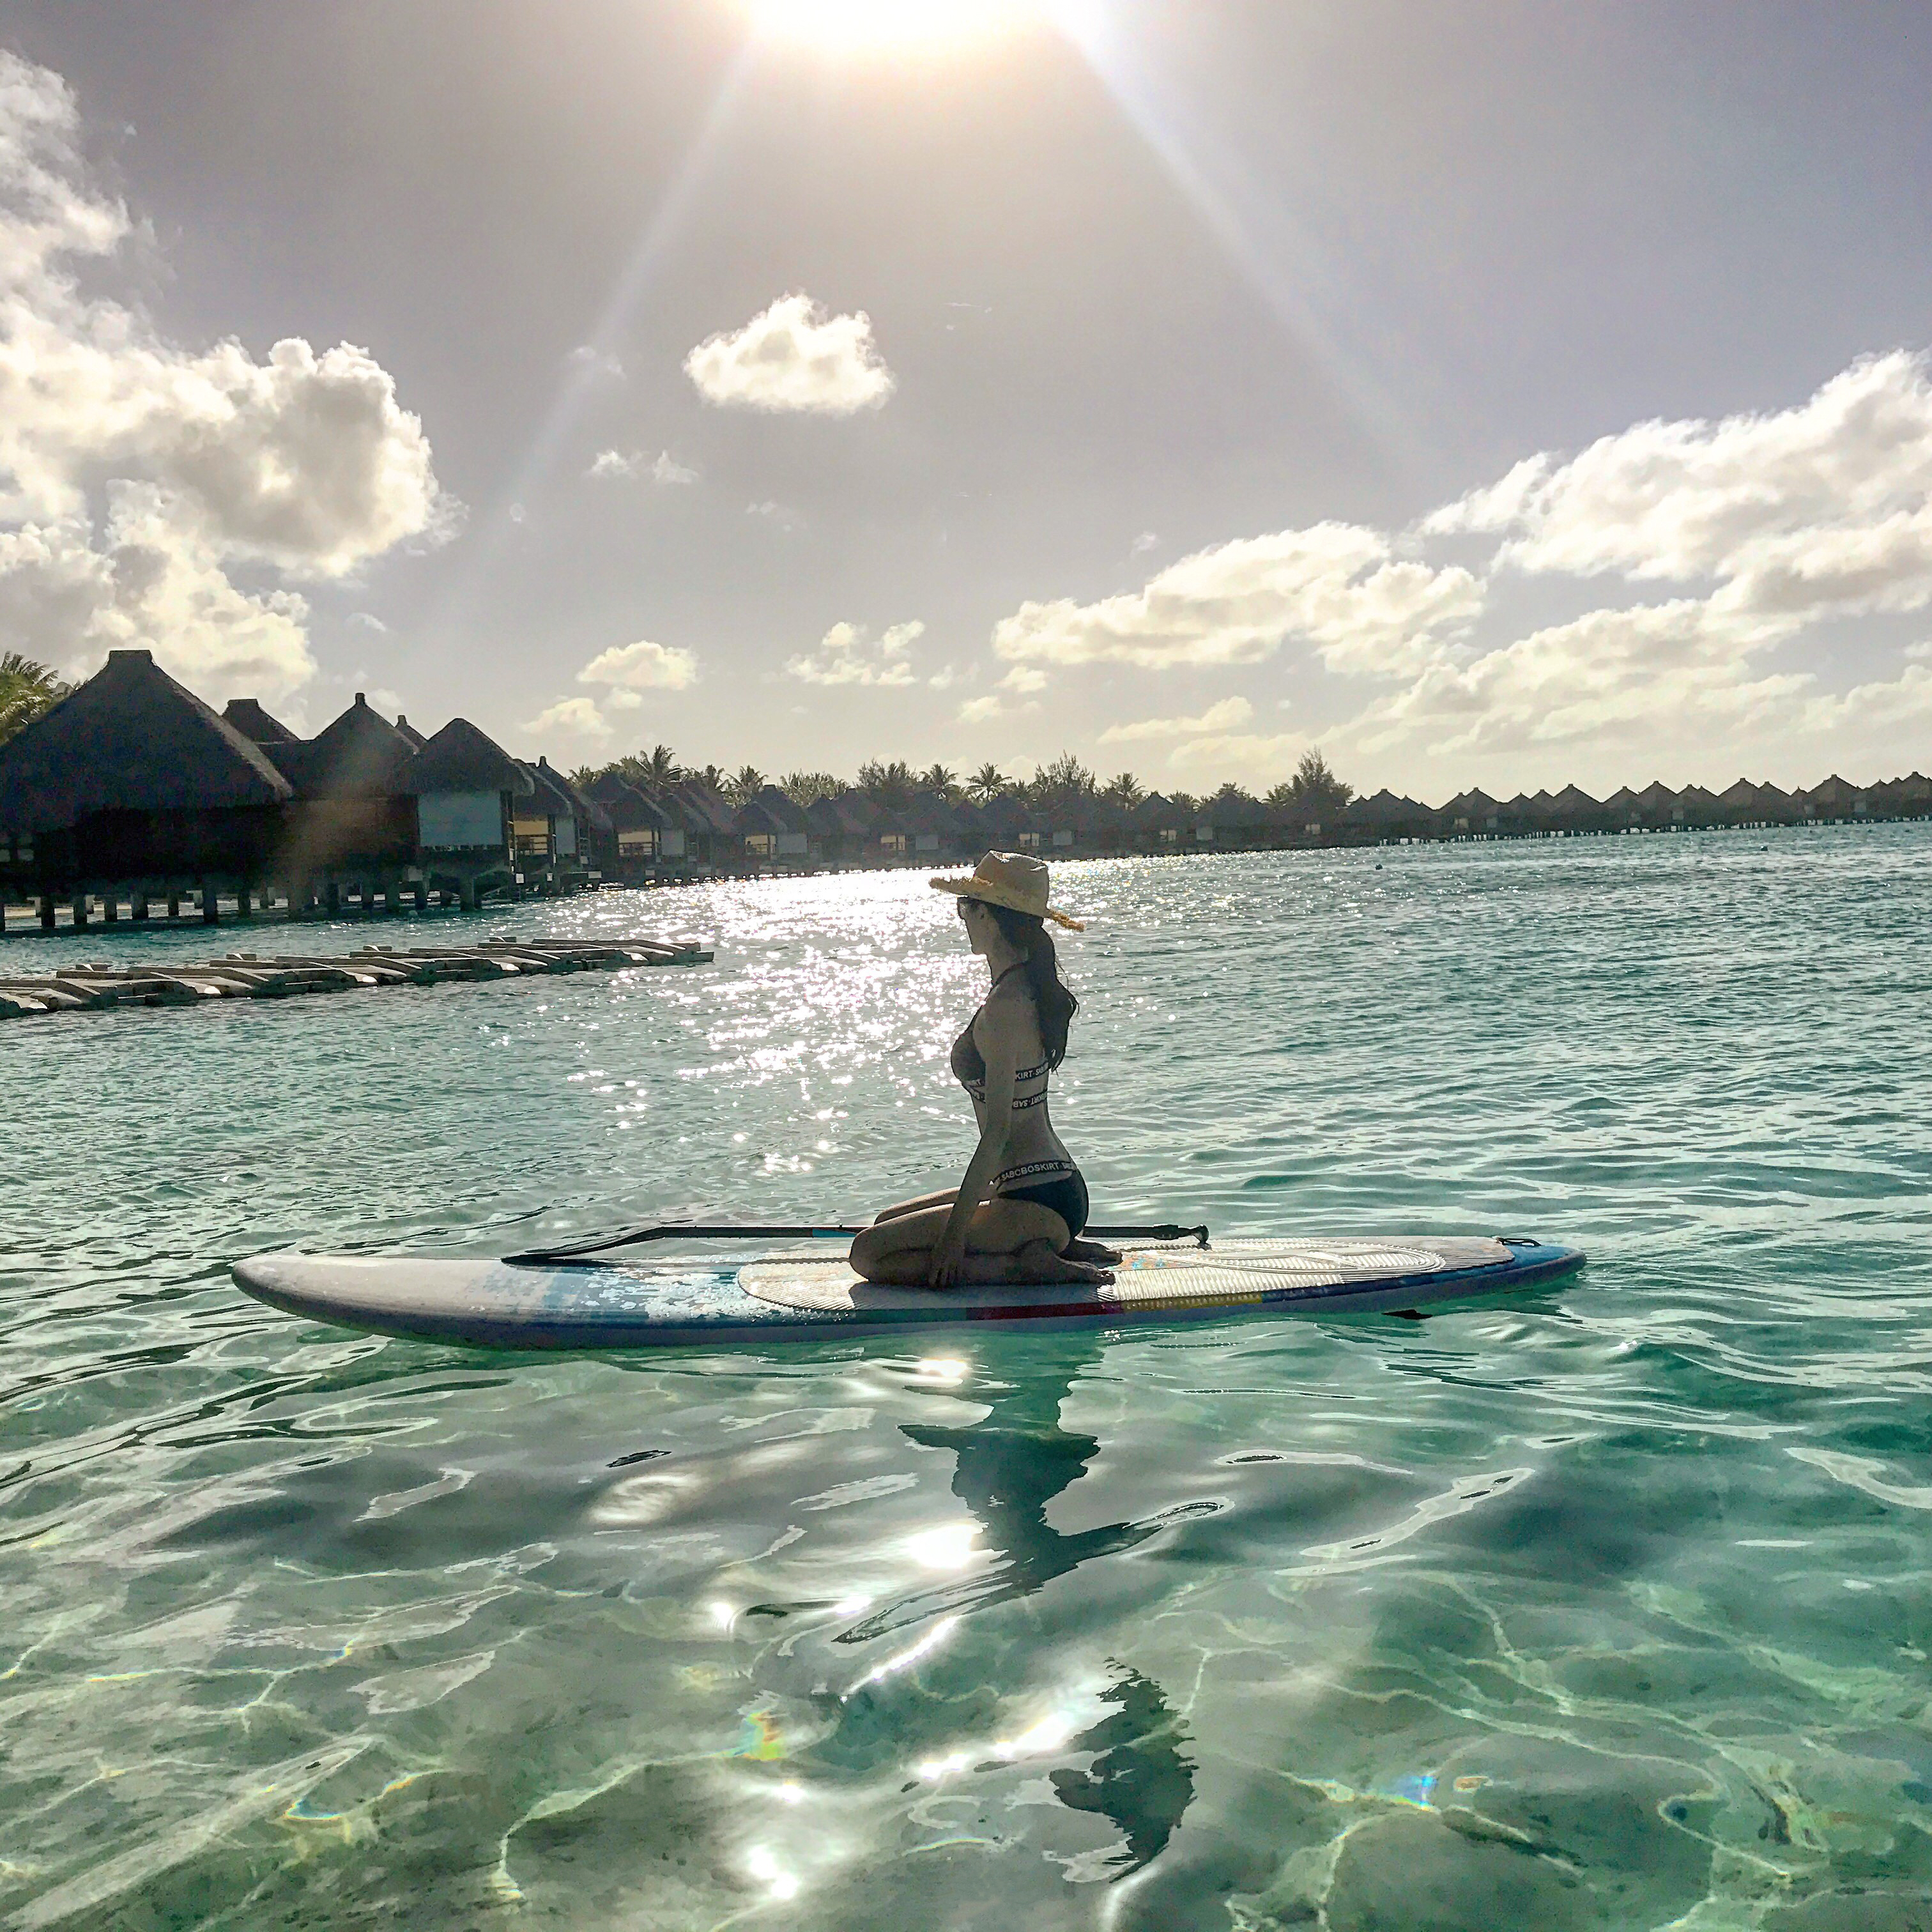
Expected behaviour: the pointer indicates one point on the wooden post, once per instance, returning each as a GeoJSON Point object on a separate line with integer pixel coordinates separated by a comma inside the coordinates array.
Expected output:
{"type": "Point", "coordinates": [110, 905]}
{"type": "Point", "coordinates": [244, 901]}
{"type": "Point", "coordinates": [332, 898]}
{"type": "Point", "coordinates": [469, 884]}
{"type": "Point", "coordinates": [46, 912]}
{"type": "Point", "coordinates": [79, 910]}
{"type": "Point", "coordinates": [137, 905]}
{"type": "Point", "coordinates": [422, 895]}
{"type": "Point", "coordinates": [174, 901]}
{"type": "Point", "coordinates": [211, 904]}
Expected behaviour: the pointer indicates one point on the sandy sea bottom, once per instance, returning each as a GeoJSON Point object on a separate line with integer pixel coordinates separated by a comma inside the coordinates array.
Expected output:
{"type": "Point", "coordinates": [1610, 1609]}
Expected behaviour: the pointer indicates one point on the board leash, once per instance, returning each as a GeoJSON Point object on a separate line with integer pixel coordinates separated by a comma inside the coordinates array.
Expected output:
{"type": "Point", "coordinates": [715, 1230]}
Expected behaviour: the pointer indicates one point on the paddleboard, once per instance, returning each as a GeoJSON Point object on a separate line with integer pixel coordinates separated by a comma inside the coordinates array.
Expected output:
{"type": "Point", "coordinates": [811, 1294]}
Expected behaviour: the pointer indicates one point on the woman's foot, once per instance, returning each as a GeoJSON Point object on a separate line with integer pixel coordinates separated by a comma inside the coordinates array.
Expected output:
{"type": "Point", "coordinates": [1096, 1253]}
{"type": "Point", "coordinates": [1040, 1262]}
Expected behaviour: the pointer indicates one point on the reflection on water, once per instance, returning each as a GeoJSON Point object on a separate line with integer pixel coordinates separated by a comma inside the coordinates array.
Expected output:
{"type": "Point", "coordinates": [1606, 1612]}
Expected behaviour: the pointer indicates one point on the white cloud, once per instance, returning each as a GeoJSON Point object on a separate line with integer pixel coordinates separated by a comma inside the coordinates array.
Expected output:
{"type": "Point", "coordinates": [1248, 757]}
{"type": "Point", "coordinates": [1024, 678]}
{"type": "Point", "coordinates": [793, 357]}
{"type": "Point", "coordinates": [844, 656]}
{"type": "Point", "coordinates": [1224, 716]}
{"type": "Point", "coordinates": [367, 620]}
{"type": "Point", "coordinates": [1722, 557]}
{"type": "Point", "coordinates": [304, 463]}
{"type": "Point", "coordinates": [1336, 587]}
{"type": "Point", "coordinates": [571, 717]}
{"type": "Point", "coordinates": [618, 465]}
{"type": "Point", "coordinates": [1145, 542]}
{"type": "Point", "coordinates": [978, 710]}
{"type": "Point", "coordinates": [70, 593]}
{"type": "Point", "coordinates": [642, 666]}
{"type": "Point", "coordinates": [1820, 508]}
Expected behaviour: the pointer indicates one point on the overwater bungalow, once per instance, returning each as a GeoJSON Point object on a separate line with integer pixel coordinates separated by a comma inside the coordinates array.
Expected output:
{"type": "Point", "coordinates": [1385, 815]}
{"type": "Point", "coordinates": [837, 828]}
{"type": "Point", "coordinates": [646, 835]}
{"type": "Point", "coordinates": [1657, 806]}
{"type": "Point", "coordinates": [1700, 807]}
{"type": "Point", "coordinates": [771, 828]}
{"type": "Point", "coordinates": [132, 781]}
{"type": "Point", "coordinates": [1835, 798]}
{"type": "Point", "coordinates": [1473, 810]}
{"type": "Point", "coordinates": [557, 828]}
{"type": "Point", "coordinates": [710, 842]}
{"type": "Point", "coordinates": [354, 812]}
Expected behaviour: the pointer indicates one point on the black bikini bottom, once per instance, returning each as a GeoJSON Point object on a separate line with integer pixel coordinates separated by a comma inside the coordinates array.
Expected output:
{"type": "Point", "coordinates": [1065, 1193]}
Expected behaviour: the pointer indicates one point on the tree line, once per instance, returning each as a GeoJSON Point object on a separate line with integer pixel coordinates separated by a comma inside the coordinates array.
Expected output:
{"type": "Point", "coordinates": [894, 784]}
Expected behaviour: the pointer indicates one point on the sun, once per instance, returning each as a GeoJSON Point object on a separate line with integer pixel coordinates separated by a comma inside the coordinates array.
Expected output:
{"type": "Point", "coordinates": [863, 26]}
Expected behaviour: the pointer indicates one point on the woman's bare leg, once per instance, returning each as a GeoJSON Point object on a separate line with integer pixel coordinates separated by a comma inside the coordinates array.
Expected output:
{"type": "Point", "coordinates": [1005, 1240]}
{"type": "Point", "coordinates": [944, 1197]}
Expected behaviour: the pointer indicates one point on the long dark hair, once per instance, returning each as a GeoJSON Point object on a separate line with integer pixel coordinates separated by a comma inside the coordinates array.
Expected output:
{"type": "Point", "coordinates": [1055, 1003]}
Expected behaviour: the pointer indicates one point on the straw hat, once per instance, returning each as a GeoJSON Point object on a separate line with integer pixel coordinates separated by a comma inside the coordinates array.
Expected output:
{"type": "Point", "coordinates": [1012, 880]}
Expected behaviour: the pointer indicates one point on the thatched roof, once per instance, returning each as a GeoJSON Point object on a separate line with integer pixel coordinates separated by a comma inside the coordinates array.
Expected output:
{"type": "Point", "coordinates": [461, 758]}
{"type": "Point", "coordinates": [360, 755]}
{"type": "Point", "coordinates": [629, 810]}
{"type": "Point", "coordinates": [837, 815]}
{"type": "Point", "coordinates": [565, 796]}
{"type": "Point", "coordinates": [790, 817]}
{"type": "Point", "coordinates": [1573, 801]}
{"type": "Point", "coordinates": [408, 731]}
{"type": "Point", "coordinates": [609, 788]}
{"type": "Point", "coordinates": [705, 809]}
{"type": "Point", "coordinates": [1383, 808]}
{"type": "Point", "coordinates": [256, 724]}
{"type": "Point", "coordinates": [755, 816]}
{"type": "Point", "coordinates": [129, 739]}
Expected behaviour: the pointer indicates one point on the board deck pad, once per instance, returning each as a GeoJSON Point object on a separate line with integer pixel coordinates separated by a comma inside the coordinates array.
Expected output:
{"type": "Point", "coordinates": [1231, 1274]}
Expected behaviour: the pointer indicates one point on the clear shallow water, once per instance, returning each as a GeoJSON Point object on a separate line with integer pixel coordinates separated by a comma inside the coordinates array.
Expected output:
{"type": "Point", "coordinates": [1608, 1610]}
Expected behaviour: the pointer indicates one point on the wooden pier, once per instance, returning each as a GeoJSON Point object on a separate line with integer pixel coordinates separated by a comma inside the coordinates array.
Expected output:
{"type": "Point", "coordinates": [96, 985]}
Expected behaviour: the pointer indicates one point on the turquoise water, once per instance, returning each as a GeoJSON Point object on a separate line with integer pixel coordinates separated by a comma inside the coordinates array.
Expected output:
{"type": "Point", "coordinates": [1611, 1610]}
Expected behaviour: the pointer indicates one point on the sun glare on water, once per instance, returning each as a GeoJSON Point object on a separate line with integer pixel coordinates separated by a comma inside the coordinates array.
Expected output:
{"type": "Point", "coordinates": [861, 26]}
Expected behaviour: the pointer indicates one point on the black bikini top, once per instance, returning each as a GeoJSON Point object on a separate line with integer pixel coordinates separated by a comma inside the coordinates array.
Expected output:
{"type": "Point", "coordinates": [969, 1063]}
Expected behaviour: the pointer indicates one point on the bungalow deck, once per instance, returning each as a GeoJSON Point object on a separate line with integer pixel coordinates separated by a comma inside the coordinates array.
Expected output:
{"type": "Point", "coordinates": [97, 986]}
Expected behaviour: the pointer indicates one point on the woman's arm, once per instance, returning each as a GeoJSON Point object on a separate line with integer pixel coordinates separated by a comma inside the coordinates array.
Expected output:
{"type": "Point", "coordinates": [997, 1037]}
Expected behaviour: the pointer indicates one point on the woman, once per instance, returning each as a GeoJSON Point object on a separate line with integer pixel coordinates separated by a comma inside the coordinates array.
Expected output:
{"type": "Point", "coordinates": [1018, 1214]}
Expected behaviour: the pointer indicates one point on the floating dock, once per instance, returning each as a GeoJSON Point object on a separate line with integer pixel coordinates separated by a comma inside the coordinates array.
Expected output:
{"type": "Point", "coordinates": [96, 985]}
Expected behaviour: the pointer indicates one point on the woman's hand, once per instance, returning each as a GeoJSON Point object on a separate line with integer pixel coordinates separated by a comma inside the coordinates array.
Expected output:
{"type": "Point", "coordinates": [948, 1254]}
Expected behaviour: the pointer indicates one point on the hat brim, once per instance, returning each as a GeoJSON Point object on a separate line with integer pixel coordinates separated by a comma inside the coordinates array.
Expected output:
{"type": "Point", "coordinates": [973, 887]}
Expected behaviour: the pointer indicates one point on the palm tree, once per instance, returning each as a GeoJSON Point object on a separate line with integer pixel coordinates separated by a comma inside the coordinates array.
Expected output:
{"type": "Point", "coordinates": [986, 784]}
{"type": "Point", "coordinates": [744, 785]}
{"type": "Point", "coordinates": [807, 788]}
{"type": "Point", "coordinates": [654, 771]}
{"type": "Point", "coordinates": [27, 689]}
{"type": "Point", "coordinates": [1066, 781]}
{"type": "Point", "coordinates": [1123, 789]}
{"type": "Point", "coordinates": [937, 778]}
{"type": "Point", "coordinates": [1315, 788]}
{"type": "Point", "coordinates": [890, 785]}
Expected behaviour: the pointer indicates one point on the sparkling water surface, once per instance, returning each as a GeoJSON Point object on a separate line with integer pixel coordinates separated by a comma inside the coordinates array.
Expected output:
{"type": "Point", "coordinates": [1608, 1609]}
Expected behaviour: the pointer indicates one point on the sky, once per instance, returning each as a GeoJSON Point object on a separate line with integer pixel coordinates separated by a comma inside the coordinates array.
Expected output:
{"type": "Point", "coordinates": [1508, 395]}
